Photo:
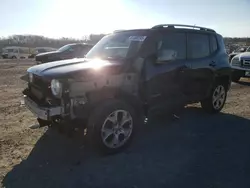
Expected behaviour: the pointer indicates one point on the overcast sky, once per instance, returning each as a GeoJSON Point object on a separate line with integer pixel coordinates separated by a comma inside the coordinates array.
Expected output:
{"type": "Point", "coordinates": [75, 18]}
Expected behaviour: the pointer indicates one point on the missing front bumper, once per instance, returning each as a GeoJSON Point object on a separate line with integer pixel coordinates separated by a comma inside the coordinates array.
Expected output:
{"type": "Point", "coordinates": [44, 113]}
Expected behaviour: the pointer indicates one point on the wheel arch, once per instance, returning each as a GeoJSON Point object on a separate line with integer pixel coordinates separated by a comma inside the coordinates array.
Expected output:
{"type": "Point", "coordinates": [95, 98]}
{"type": "Point", "coordinates": [226, 79]}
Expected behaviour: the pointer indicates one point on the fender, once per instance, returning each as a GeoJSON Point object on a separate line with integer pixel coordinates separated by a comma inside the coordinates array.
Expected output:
{"type": "Point", "coordinates": [122, 86]}
{"type": "Point", "coordinates": [96, 97]}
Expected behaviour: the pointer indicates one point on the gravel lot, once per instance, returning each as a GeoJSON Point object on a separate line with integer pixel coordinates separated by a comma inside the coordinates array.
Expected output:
{"type": "Point", "coordinates": [198, 150]}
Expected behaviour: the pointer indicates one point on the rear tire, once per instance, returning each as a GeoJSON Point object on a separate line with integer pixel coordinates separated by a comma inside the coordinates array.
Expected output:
{"type": "Point", "coordinates": [112, 126]}
{"type": "Point", "coordinates": [216, 100]}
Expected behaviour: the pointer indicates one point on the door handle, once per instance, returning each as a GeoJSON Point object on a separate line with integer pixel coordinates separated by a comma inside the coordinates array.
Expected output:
{"type": "Point", "coordinates": [212, 64]}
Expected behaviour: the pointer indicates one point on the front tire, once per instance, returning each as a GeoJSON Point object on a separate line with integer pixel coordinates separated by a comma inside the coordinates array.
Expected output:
{"type": "Point", "coordinates": [216, 100]}
{"type": "Point", "coordinates": [111, 126]}
{"type": "Point", "coordinates": [236, 75]}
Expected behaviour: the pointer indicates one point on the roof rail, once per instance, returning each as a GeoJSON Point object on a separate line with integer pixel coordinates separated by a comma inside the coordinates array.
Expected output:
{"type": "Point", "coordinates": [116, 31]}
{"type": "Point", "coordinates": [180, 25]}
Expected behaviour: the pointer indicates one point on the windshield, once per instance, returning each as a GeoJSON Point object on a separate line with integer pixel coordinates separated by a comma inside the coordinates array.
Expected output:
{"type": "Point", "coordinates": [248, 49]}
{"type": "Point", "coordinates": [8, 50]}
{"type": "Point", "coordinates": [64, 48]}
{"type": "Point", "coordinates": [119, 45]}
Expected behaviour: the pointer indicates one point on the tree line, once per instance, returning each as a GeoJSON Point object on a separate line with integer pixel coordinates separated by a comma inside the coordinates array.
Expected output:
{"type": "Point", "coordinates": [33, 41]}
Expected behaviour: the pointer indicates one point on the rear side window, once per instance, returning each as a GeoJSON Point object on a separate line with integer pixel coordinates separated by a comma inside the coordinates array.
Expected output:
{"type": "Point", "coordinates": [41, 50]}
{"type": "Point", "coordinates": [213, 43]}
{"type": "Point", "coordinates": [175, 42]}
{"type": "Point", "coordinates": [198, 45]}
{"type": "Point", "coordinates": [86, 49]}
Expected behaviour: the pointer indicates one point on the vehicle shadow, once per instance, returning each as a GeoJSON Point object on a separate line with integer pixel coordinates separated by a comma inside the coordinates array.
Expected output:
{"type": "Point", "coordinates": [198, 150]}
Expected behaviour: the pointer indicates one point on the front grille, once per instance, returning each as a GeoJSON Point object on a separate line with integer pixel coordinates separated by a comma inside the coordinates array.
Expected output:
{"type": "Point", "coordinates": [246, 63]}
{"type": "Point", "coordinates": [39, 82]}
{"type": "Point", "coordinates": [40, 98]}
{"type": "Point", "coordinates": [40, 92]}
{"type": "Point", "coordinates": [37, 93]}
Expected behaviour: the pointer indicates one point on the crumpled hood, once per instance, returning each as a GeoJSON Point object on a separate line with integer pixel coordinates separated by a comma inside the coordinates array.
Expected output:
{"type": "Point", "coordinates": [58, 69]}
{"type": "Point", "coordinates": [243, 56]}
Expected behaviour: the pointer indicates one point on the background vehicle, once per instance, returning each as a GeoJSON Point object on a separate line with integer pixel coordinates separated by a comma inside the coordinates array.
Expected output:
{"type": "Point", "coordinates": [238, 51]}
{"type": "Point", "coordinates": [15, 52]}
{"type": "Point", "coordinates": [76, 50]}
{"type": "Point", "coordinates": [241, 65]}
{"type": "Point", "coordinates": [39, 50]}
{"type": "Point", "coordinates": [129, 75]}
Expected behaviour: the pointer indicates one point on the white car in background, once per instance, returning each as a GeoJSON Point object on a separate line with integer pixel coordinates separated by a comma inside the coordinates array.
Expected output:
{"type": "Point", "coordinates": [241, 65]}
{"type": "Point", "coordinates": [15, 52]}
{"type": "Point", "coordinates": [39, 50]}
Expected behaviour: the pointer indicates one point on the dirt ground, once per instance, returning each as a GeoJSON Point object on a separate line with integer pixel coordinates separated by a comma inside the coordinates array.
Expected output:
{"type": "Point", "coordinates": [198, 150]}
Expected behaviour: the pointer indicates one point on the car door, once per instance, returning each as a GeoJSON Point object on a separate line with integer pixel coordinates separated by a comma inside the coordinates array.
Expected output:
{"type": "Point", "coordinates": [164, 74]}
{"type": "Point", "coordinates": [201, 74]}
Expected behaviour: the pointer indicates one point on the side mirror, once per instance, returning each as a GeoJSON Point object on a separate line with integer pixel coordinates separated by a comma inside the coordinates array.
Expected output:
{"type": "Point", "coordinates": [166, 55]}
{"type": "Point", "coordinates": [242, 50]}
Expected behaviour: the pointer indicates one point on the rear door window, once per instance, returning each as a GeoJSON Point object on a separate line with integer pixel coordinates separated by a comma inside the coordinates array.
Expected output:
{"type": "Point", "coordinates": [173, 42]}
{"type": "Point", "coordinates": [198, 45]}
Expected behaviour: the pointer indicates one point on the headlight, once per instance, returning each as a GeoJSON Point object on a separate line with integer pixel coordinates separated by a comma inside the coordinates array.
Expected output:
{"type": "Point", "coordinates": [30, 77]}
{"type": "Point", "coordinates": [56, 87]}
{"type": "Point", "coordinates": [235, 61]}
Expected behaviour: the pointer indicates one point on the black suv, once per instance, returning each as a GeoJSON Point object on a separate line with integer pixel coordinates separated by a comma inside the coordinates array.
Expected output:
{"type": "Point", "coordinates": [127, 76]}
{"type": "Point", "coordinates": [69, 51]}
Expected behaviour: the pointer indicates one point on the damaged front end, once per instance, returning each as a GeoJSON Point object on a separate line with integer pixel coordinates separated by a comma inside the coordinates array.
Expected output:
{"type": "Point", "coordinates": [48, 108]}
{"type": "Point", "coordinates": [71, 91]}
